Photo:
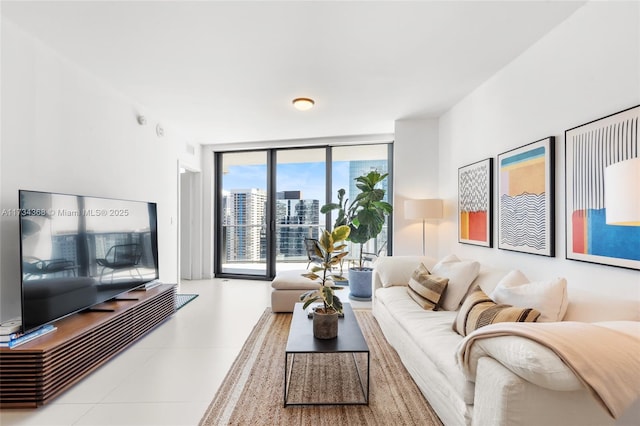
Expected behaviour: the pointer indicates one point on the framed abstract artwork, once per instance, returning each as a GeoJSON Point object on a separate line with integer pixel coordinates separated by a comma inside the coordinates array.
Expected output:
{"type": "Point", "coordinates": [526, 198]}
{"type": "Point", "coordinates": [603, 190]}
{"type": "Point", "coordinates": [475, 203]}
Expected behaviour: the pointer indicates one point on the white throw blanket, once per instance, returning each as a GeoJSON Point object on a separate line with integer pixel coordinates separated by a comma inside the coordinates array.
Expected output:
{"type": "Point", "coordinates": [606, 361]}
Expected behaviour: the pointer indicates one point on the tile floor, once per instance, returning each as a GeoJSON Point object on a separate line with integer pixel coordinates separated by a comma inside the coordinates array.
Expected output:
{"type": "Point", "coordinates": [171, 375]}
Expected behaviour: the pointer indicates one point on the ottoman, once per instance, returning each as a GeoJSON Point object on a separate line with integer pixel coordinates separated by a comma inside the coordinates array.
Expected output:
{"type": "Point", "coordinates": [286, 288]}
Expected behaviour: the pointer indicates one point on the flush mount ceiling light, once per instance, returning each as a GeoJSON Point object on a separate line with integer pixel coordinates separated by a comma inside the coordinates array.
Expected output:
{"type": "Point", "coordinates": [303, 104]}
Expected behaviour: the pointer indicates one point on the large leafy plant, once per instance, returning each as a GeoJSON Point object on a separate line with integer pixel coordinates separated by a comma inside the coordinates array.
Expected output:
{"type": "Point", "coordinates": [330, 248]}
{"type": "Point", "coordinates": [365, 215]}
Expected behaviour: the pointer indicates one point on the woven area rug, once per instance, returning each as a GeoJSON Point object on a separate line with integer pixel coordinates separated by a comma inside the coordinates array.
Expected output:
{"type": "Point", "coordinates": [183, 299]}
{"type": "Point", "coordinates": [252, 392]}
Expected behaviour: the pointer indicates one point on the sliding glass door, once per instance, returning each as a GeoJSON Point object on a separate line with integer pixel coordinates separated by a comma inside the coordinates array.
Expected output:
{"type": "Point", "coordinates": [269, 201]}
{"type": "Point", "coordinates": [300, 192]}
{"type": "Point", "coordinates": [244, 210]}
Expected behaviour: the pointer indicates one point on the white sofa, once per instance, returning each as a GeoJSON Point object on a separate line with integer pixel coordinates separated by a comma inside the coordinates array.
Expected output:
{"type": "Point", "coordinates": [495, 395]}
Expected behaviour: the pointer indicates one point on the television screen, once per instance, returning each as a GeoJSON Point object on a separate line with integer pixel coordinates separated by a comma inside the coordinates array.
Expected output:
{"type": "Point", "coordinates": [80, 251]}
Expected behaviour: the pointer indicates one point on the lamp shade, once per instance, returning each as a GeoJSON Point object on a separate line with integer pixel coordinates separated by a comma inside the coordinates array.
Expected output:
{"type": "Point", "coordinates": [622, 193]}
{"type": "Point", "coordinates": [423, 209]}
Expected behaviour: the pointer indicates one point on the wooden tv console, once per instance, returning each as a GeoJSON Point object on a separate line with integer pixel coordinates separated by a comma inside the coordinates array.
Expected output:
{"type": "Point", "coordinates": [37, 371]}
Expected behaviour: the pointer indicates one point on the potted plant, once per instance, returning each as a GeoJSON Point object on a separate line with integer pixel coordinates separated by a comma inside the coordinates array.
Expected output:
{"type": "Point", "coordinates": [330, 248]}
{"type": "Point", "coordinates": [365, 216]}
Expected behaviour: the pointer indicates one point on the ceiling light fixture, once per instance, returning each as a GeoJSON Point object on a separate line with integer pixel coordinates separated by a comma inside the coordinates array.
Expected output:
{"type": "Point", "coordinates": [303, 104]}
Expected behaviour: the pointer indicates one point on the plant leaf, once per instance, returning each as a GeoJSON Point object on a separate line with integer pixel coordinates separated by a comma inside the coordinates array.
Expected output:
{"type": "Point", "coordinates": [383, 205]}
{"type": "Point", "coordinates": [309, 301]}
{"type": "Point", "coordinates": [328, 207]}
{"type": "Point", "coordinates": [336, 303]}
{"type": "Point", "coordinates": [341, 255]}
{"type": "Point", "coordinates": [310, 294]}
{"type": "Point", "coordinates": [340, 233]}
{"type": "Point", "coordinates": [326, 241]}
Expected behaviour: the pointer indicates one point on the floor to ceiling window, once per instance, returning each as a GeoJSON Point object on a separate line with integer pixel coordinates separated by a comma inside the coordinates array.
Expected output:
{"type": "Point", "coordinates": [243, 213]}
{"type": "Point", "coordinates": [349, 162]}
{"type": "Point", "coordinates": [269, 201]}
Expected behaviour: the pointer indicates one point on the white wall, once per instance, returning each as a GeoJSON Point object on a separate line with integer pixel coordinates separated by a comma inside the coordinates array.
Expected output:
{"type": "Point", "coordinates": [586, 68]}
{"type": "Point", "coordinates": [65, 131]}
{"type": "Point", "coordinates": [415, 176]}
{"type": "Point", "coordinates": [190, 154]}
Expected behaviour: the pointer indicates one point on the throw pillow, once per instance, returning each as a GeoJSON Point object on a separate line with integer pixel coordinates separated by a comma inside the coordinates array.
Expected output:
{"type": "Point", "coordinates": [447, 259]}
{"type": "Point", "coordinates": [460, 274]}
{"type": "Point", "coordinates": [479, 310]}
{"type": "Point", "coordinates": [512, 279]}
{"type": "Point", "coordinates": [548, 297]}
{"type": "Point", "coordinates": [426, 289]}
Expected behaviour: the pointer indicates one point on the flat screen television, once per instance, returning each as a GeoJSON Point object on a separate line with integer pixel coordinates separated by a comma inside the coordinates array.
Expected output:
{"type": "Point", "coordinates": [78, 251]}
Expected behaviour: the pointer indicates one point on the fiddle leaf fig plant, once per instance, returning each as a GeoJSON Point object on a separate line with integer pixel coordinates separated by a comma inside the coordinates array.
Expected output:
{"type": "Point", "coordinates": [330, 248]}
{"type": "Point", "coordinates": [365, 215]}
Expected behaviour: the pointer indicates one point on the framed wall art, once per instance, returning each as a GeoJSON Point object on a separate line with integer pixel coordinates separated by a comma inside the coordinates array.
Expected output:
{"type": "Point", "coordinates": [475, 203]}
{"type": "Point", "coordinates": [526, 198]}
{"type": "Point", "coordinates": [603, 190]}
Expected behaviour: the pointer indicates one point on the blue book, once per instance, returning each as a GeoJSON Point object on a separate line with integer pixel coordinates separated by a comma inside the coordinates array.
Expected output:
{"type": "Point", "coordinates": [31, 335]}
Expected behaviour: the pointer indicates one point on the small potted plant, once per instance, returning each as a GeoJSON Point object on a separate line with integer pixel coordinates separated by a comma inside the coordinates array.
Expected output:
{"type": "Point", "coordinates": [330, 248]}
{"type": "Point", "coordinates": [365, 216]}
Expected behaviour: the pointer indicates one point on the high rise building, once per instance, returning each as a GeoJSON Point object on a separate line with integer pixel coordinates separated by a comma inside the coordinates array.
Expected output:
{"type": "Point", "coordinates": [244, 222]}
{"type": "Point", "coordinates": [296, 220]}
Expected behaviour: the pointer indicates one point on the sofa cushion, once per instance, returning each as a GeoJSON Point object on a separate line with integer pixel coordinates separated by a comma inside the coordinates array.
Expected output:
{"type": "Point", "coordinates": [431, 331]}
{"type": "Point", "coordinates": [548, 297]}
{"type": "Point", "coordinates": [426, 289]}
{"type": "Point", "coordinates": [479, 310]}
{"type": "Point", "coordinates": [293, 280]}
{"type": "Point", "coordinates": [397, 270]}
{"type": "Point", "coordinates": [526, 358]}
{"type": "Point", "coordinates": [460, 274]}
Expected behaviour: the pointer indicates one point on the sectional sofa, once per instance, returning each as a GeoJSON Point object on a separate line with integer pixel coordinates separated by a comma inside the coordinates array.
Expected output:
{"type": "Point", "coordinates": [509, 380]}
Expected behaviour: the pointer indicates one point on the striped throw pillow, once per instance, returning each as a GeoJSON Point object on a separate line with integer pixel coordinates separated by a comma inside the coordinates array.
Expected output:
{"type": "Point", "coordinates": [479, 310]}
{"type": "Point", "coordinates": [426, 289]}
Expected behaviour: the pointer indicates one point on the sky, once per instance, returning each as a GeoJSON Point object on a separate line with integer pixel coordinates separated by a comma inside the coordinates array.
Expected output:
{"type": "Point", "coordinates": [305, 177]}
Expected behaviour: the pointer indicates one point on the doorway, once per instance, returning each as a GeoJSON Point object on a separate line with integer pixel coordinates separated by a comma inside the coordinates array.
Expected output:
{"type": "Point", "coordinates": [189, 226]}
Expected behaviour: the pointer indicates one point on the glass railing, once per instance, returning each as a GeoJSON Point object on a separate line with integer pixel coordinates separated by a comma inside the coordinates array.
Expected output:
{"type": "Point", "coordinates": [246, 245]}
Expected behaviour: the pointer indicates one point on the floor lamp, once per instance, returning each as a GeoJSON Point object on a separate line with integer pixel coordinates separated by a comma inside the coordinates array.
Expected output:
{"type": "Point", "coordinates": [423, 209]}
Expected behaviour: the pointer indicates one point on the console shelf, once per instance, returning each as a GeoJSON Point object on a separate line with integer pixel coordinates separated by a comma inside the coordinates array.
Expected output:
{"type": "Point", "coordinates": [37, 371]}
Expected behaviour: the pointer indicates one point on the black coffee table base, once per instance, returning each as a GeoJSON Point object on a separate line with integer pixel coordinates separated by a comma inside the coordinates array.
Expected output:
{"type": "Point", "coordinates": [358, 375]}
{"type": "Point", "coordinates": [320, 362]}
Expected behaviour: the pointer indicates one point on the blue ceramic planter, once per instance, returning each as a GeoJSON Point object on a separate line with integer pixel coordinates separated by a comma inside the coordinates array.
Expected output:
{"type": "Point", "coordinates": [360, 284]}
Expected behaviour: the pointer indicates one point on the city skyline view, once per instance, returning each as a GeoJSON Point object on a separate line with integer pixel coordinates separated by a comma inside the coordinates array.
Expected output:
{"type": "Point", "coordinates": [300, 193]}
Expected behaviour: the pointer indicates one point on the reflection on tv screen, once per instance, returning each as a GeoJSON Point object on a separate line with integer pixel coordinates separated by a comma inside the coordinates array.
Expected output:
{"type": "Point", "coordinates": [78, 251]}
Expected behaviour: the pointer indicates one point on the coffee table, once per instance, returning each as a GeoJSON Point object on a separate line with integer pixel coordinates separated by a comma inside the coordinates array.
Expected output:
{"type": "Point", "coordinates": [349, 341]}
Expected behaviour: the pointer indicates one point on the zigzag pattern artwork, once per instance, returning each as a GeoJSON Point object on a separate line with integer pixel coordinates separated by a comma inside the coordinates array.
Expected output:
{"type": "Point", "coordinates": [474, 205]}
{"type": "Point", "coordinates": [523, 221]}
{"type": "Point", "coordinates": [474, 196]}
{"type": "Point", "coordinates": [525, 204]}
